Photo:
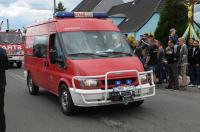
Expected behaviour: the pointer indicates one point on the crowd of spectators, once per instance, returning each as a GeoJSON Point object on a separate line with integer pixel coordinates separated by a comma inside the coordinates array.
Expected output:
{"type": "Point", "coordinates": [177, 62]}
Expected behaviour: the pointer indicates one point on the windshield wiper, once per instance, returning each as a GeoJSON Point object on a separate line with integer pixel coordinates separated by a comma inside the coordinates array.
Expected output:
{"type": "Point", "coordinates": [89, 54]}
{"type": "Point", "coordinates": [116, 52]}
{"type": "Point", "coordinates": [4, 42]}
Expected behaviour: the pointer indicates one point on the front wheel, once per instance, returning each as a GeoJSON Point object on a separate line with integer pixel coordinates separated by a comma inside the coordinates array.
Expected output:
{"type": "Point", "coordinates": [32, 88]}
{"type": "Point", "coordinates": [66, 102]}
{"type": "Point", "coordinates": [11, 64]}
{"type": "Point", "coordinates": [19, 64]}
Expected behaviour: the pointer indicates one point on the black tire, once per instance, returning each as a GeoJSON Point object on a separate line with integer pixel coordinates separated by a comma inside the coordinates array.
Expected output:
{"type": "Point", "coordinates": [32, 88]}
{"type": "Point", "coordinates": [19, 64]}
{"type": "Point", "coordinates": [66, 102]}
{"type": "Point", "coordinates": [11, 64]}
{"type": "Point", "coordinates": [136, 103]}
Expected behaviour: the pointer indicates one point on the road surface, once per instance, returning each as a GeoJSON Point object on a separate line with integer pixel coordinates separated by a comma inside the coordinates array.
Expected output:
{"type": "Point", "coordinates": [168, 111]}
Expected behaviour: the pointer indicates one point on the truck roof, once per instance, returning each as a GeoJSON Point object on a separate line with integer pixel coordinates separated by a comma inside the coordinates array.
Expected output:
{"type": "Point", "coordinates": [71, 25]}
{"type": "Point", "coordinates": [73, 22]}
{"type": "Point", "coordinates": [43, 22]}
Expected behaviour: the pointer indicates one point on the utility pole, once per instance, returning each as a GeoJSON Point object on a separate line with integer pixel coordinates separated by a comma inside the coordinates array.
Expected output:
{"type": "Point", "coordinates": [8, 25]}
{"type": "Point", "coordinates": [1, 25]}
{"type": "Point", "coordinates": [54, 12]}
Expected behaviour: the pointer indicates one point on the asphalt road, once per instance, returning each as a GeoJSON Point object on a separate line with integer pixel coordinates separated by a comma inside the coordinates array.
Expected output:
{"type": "Point", "coordinates": [168, 111]}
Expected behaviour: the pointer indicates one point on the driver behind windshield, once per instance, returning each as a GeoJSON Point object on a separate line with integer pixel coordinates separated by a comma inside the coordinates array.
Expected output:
{"type": "Point", "coordinates": [117, 43]}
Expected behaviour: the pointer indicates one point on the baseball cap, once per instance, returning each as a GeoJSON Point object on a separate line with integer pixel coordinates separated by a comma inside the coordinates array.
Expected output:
{"type": "Point", "coordinates": [172, 30]}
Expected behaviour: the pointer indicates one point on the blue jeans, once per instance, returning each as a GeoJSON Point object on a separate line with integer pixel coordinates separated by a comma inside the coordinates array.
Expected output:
{"type": "Point", "coordinates": [195, 74]}
{"type": "Point", "coordinates": [159, 72]}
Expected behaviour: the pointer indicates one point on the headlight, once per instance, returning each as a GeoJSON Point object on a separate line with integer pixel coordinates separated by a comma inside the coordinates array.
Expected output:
{"type": "Point", "coordinates": [144, 79]}
{"type": "Point", "coordinates": [18, 52]}
{"type": "Point", "coordinates": [88, 82]}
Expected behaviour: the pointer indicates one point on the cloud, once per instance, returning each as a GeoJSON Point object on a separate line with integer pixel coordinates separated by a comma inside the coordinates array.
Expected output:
{"type": "Point", "coordinates": [7, 2]}
{"type": "Point", "coordinates": [21, 13]}
{"type": "Point", "coordinates": [24, 12]}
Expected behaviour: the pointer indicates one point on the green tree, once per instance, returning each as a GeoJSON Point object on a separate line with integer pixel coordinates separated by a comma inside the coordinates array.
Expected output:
{"type": "Point", "coordinates": [173, 15]}
{"type": "Point", "coordinates": [60, 7]}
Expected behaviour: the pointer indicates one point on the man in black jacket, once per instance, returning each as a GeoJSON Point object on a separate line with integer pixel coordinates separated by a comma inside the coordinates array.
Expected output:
{"type": "Point", "coordinates": [194, 61]}
{"type": "Point", "coordinates": [3, 67]}
{"type": "Point", "coordinates": [172, 65]}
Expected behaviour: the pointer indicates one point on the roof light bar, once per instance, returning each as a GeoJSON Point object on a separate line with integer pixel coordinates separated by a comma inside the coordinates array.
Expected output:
{"type": "Point", "coordinates": [64, 15]}
{"type": "Point", "coordinates": [80, 15]}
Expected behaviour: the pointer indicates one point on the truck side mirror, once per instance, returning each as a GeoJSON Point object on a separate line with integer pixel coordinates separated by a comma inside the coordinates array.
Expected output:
{"type": "Point", "coordinates": [52, 56]}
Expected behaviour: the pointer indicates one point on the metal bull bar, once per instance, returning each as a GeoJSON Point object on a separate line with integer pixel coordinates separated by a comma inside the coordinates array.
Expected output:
{"type": "Point", "coordinates": [107, 91]}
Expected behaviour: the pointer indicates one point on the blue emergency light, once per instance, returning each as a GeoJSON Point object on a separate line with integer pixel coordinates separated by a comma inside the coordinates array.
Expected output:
{"type": "Point", "coordinates": [117, 83]}
{"type": "Point", "coordinates": [64, 15]}
{"type": "Point", "coordinates": [100, 15]}
{"type": "Point", "coordinates": [80, 15]}
{"type": "Point", "coordinates": [129, 82]}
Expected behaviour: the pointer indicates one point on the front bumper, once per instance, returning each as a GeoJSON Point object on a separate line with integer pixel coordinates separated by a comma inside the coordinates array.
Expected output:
{"type": "Point", "coordinates": [15, 58]}
{"type": "Point", "coordinates": [99, 97]}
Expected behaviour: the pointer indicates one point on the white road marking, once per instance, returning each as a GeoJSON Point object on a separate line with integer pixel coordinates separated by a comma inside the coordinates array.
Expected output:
{"type": "Point", "coordinates": [112, 123]}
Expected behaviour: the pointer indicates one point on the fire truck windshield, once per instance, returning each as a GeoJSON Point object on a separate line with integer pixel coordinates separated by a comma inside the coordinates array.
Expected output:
{"type": "Point", "coordinates": [10, 38]}
{"type": "Point", "coordinates": [95, 43]}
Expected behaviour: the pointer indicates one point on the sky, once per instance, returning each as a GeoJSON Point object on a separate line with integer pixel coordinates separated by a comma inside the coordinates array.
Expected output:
{"type": "Point", "coordinates": [197, 13]}
{"type": "Point", "coordinates": [22, 13]}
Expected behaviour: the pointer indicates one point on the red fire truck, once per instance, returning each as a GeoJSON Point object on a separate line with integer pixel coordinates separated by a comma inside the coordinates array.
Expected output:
{"type": "Point", "coordinates": [84, 60]}
{"type": "Point", "coordinates": [11, 41]}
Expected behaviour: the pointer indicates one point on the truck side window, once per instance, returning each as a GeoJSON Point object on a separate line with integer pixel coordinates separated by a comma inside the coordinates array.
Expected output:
{"type": "Point", "coordinates": [40, 46]}
{"type": "Point", "coordinates": [54, 45]}
{"type": "Point", "coordinates": [58, 49]}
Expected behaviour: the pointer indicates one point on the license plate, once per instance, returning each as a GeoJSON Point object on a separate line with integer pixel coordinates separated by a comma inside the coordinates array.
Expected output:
{"type": "Point", "coordinates": [145, 91]}
{"type": "Point", "coordinates": [123, 88]}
